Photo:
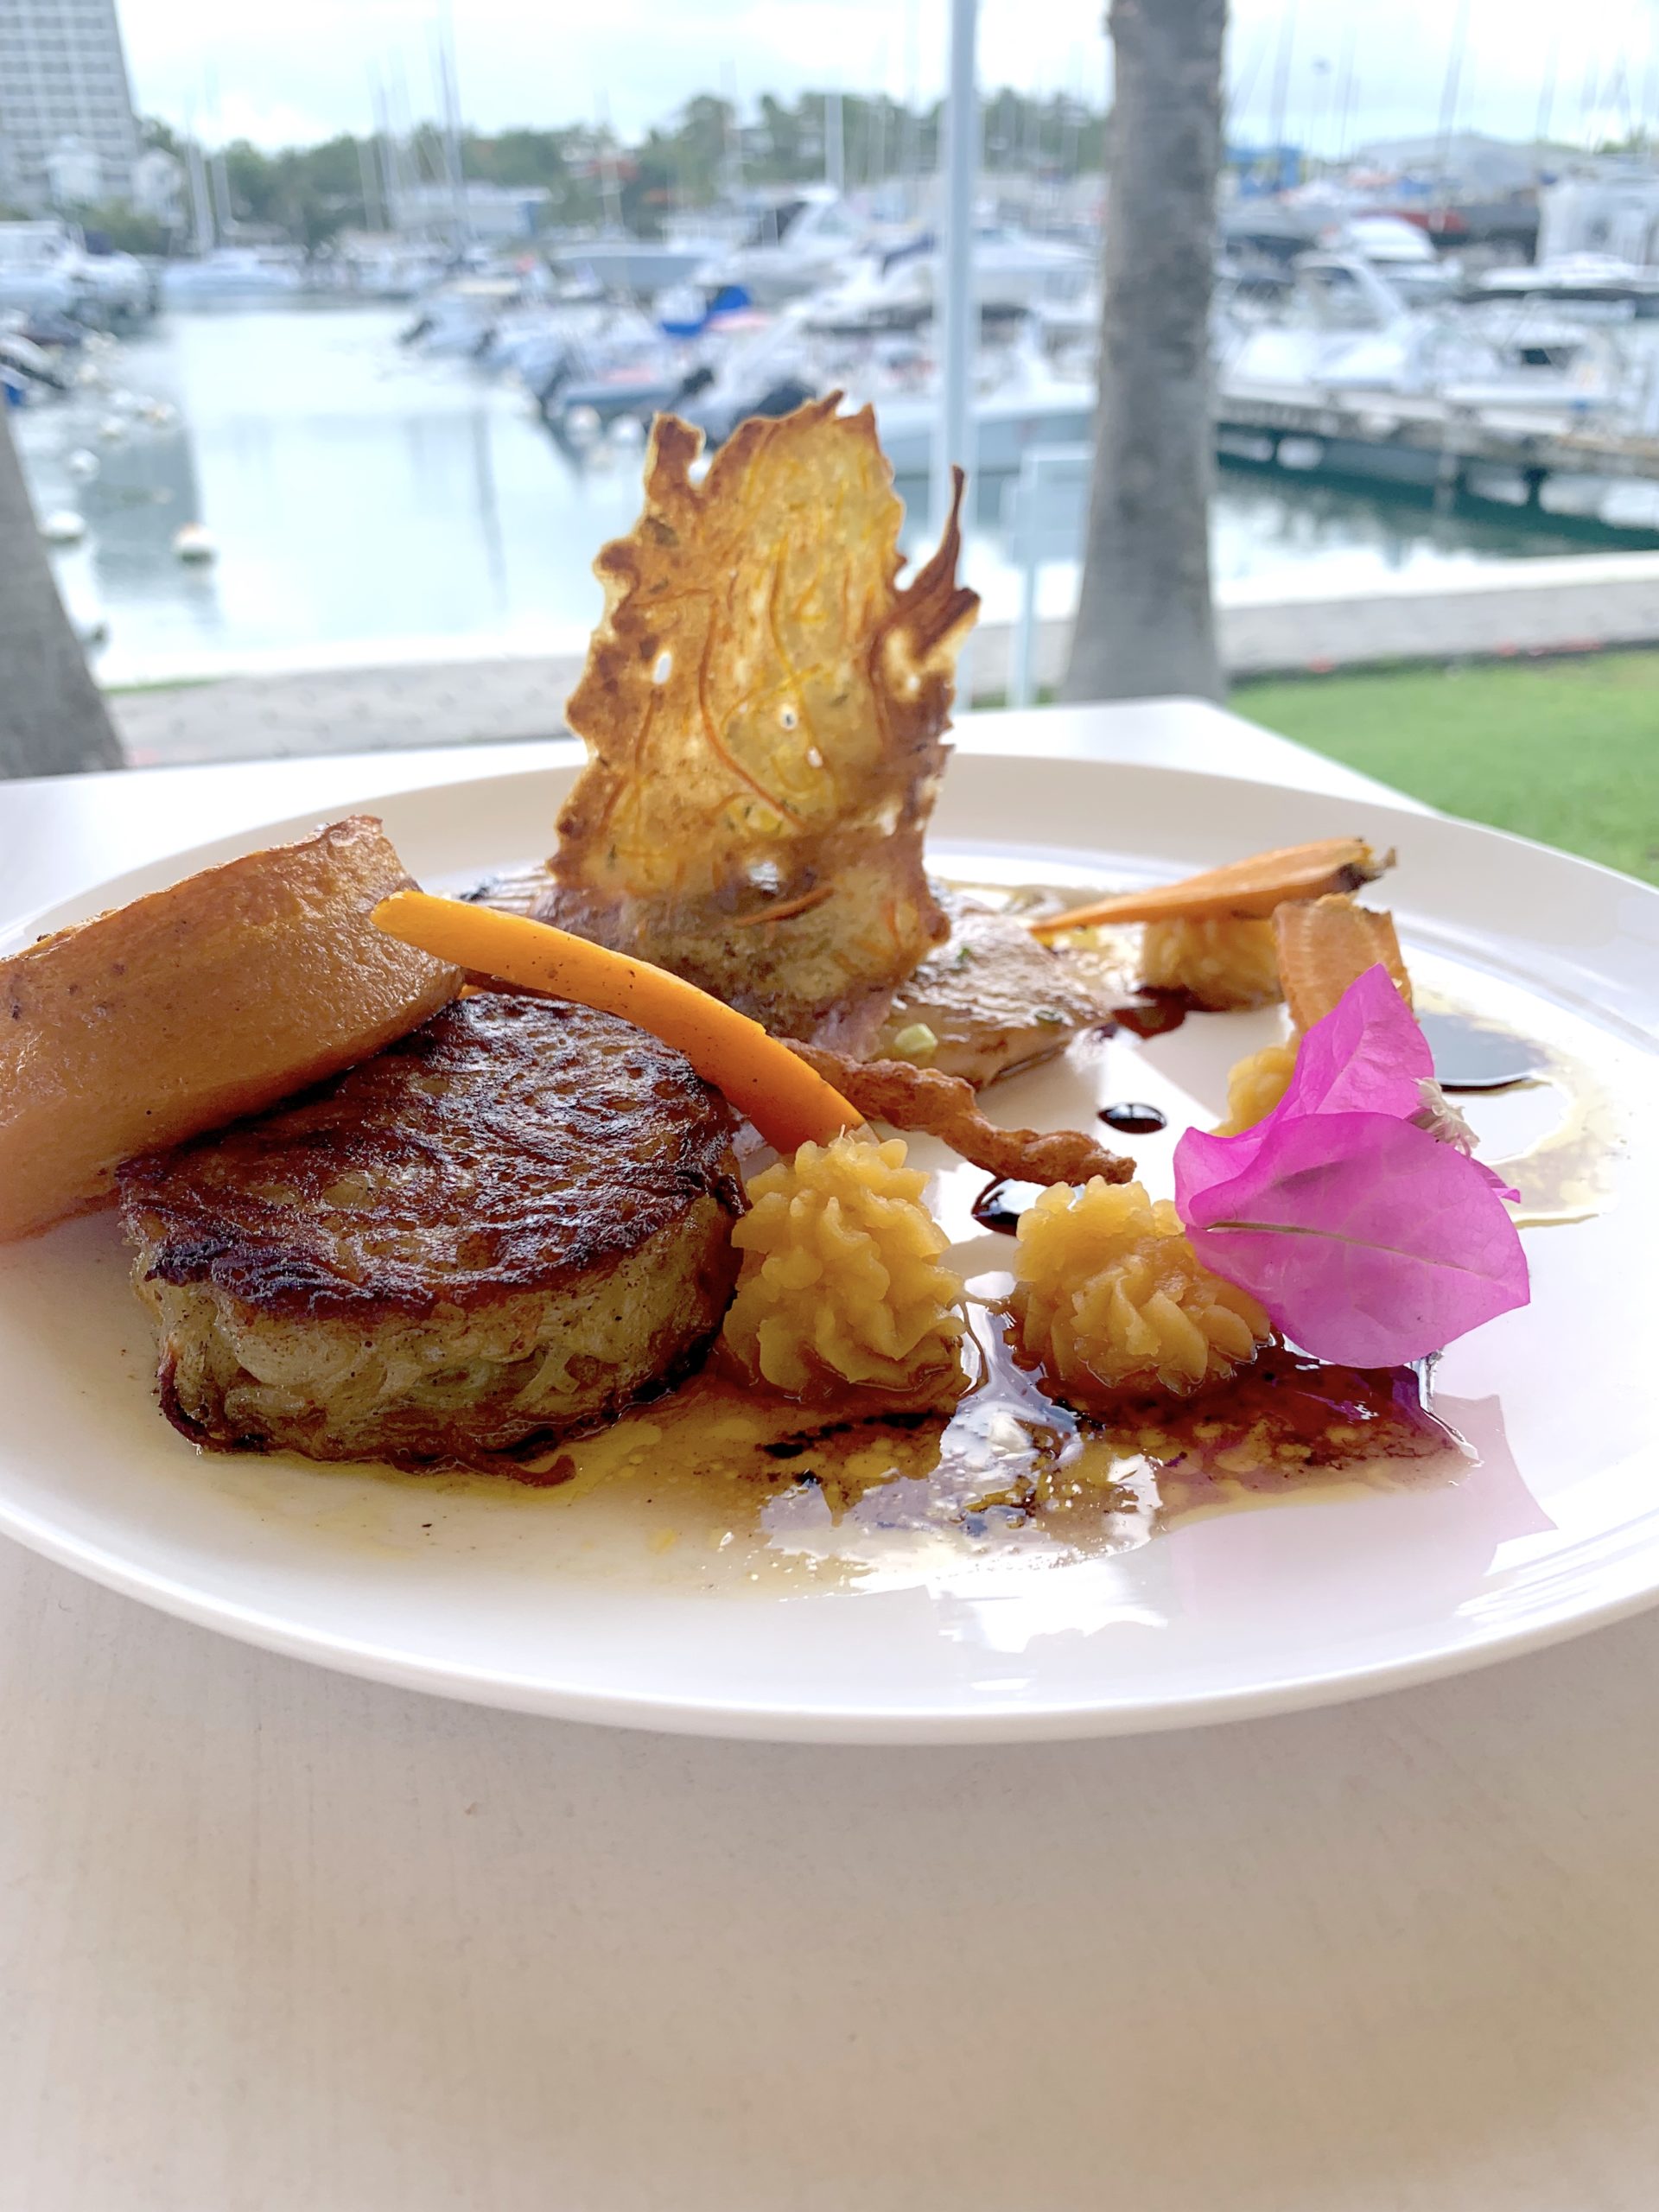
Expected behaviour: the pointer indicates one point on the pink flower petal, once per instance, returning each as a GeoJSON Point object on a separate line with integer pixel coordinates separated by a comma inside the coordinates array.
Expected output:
{"type": "Point", "coordinates": [1367, 1056]}
{"type": "Point", "coordinates": [1368, 1239]}
{"type": "Point", "coordinates": [1367, 1242]}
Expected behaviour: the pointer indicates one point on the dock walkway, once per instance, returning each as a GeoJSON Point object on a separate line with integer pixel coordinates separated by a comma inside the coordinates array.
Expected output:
{"type": "Point", "coordinates": [1419, 440]}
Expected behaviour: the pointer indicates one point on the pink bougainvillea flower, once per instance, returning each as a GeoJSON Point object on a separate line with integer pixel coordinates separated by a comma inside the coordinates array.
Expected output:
{"type": "Point", "coordinates": [1352, 1212]}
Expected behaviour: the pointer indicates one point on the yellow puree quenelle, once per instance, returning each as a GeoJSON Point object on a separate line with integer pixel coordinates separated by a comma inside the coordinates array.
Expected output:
{"type": "Point", "coordinates": [842, 1281]}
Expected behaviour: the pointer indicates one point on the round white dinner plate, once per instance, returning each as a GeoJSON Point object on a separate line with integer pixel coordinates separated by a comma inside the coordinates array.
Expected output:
{"type": "Point", "coordinates": [587, 1606]}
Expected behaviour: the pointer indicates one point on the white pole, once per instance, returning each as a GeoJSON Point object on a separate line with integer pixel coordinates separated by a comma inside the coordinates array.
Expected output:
{"type": "Point", "coordinates": [953, 436]}
{"type": "Point", "coordinates": [201, 209]}
{"type": "Point", "coordinates": [1024, 549]}
{"type": "Point", "coordinates": [834, 144]}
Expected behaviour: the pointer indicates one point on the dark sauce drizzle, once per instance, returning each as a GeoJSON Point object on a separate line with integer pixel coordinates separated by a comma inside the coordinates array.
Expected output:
{"type": "Point", "coordinates": [1474, 1055]}
{"type": "Point", "coordinates": [1132, 1119]}
{"type": "Point", "coordinates": [1001, 1204]}
{"type": "Point", "coordinates": [1154, 1013]}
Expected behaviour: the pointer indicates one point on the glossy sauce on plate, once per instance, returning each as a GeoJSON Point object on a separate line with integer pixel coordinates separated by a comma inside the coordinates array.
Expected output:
{"type": "Point", "coordinates": [730, 1488]}
{"type": "Point", "coordinates": [756, 1486]}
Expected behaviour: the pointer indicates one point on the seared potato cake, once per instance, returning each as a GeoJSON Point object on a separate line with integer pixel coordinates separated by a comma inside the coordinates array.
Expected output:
{"type": "Point", "coordinates": [507, 1226]}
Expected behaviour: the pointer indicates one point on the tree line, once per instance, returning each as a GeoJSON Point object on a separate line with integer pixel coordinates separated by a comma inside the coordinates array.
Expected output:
{"type": "Point", "coordinates": [592, 176]}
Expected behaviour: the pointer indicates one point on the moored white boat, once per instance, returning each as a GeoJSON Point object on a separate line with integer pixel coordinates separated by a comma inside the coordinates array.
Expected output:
{"type": "Point", "coordinates": [45, 270]}
{"type": "Point", "coordinates": [799, 245]}
{"type": "Point", "coordinates": [1594, 280]}
{"type": "Point", "coordinates": [229, 273]}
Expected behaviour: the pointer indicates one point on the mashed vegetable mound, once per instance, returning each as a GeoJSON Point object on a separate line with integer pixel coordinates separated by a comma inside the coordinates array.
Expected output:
{"type": "Point", "coordinates": [1221, 960]}
{"type": "Point", "coordinates": [1111, 1295]}
{"type": "Point", "coordinates": [1256, 1084]}
{"type": "Point", "coordinates": [842, 1281]}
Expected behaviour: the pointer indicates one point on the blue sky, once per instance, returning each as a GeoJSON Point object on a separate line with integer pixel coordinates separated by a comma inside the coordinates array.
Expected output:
{"type": "Point", "coordinates": [299, 71]}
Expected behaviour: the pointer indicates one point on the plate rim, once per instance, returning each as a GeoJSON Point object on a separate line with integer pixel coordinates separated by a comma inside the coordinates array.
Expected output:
{"type": "Point", "coordinates": [997, 1719]}
{"type": "Point", "coordinates": [897, 1726]}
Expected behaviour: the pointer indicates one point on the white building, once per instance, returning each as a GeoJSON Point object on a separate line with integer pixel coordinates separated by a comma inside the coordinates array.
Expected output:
{"type": "Point", "coordinates": [74, 174]}
{"type": "Point", "coordinates": [65, 105]}
{"type": "Point", "coordinates": [158, 184]}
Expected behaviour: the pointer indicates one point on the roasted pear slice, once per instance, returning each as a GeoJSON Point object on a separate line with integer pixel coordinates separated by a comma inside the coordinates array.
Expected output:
{"type": "Point", "coordinates": [1325, 944]}
{"type": "Point", "coordinates": [1245, 889]}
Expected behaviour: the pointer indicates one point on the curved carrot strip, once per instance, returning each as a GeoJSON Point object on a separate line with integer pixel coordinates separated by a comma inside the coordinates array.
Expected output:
{"type": "Point", "coordinates": [788, 1102]}
{"type": "Point", "coordinates": [1245, 889]}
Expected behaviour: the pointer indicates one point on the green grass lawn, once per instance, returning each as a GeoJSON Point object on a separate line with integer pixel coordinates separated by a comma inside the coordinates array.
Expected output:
{"type": "Point", "coordinates": [1565, 751]}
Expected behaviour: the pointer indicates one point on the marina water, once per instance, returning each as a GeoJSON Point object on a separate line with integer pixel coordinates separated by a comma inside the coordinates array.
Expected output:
{"type": "Point", "coordinates": [368, 504]}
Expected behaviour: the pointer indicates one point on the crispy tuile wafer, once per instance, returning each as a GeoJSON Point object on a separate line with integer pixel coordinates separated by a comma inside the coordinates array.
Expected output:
{"type": "Point", "coordinates": [765, 711]}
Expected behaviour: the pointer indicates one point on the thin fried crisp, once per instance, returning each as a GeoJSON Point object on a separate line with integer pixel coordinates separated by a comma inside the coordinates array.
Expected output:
{"type": "Point", "coordinates": [765, 711]}
{"type": "Point", "coordinates": [944, 1106]}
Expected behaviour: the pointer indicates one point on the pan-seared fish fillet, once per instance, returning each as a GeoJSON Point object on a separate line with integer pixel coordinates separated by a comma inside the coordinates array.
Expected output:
{"type": "Point", "coordinates": [995, 999]}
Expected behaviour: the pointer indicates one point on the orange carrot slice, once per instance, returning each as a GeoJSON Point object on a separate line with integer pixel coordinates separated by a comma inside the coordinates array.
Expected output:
{"type": "Point", "coordinates": [785, 1100]}
{"type": "Point", "coordinates": [1325, 944]}
{"type": "Point", "coordinates": [1247, 889]}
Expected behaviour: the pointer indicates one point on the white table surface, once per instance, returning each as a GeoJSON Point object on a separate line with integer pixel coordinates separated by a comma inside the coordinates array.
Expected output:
{"type": "Point", "coordinates": [273, 1938]}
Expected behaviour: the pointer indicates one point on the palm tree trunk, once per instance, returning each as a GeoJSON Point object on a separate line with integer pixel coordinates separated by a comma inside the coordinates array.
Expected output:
{"type": "Point", "coordinates": [1145, 625]}
{"type": "Point", "coordinates": [53, 718]}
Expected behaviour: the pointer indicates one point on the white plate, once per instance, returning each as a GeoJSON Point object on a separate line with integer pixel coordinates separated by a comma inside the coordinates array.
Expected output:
{"type": "Point", "coordinates": [540, 1601]}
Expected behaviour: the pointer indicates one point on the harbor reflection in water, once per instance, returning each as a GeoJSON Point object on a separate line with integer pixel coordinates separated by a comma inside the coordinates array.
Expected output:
{"type": "Point", "coordinates": [360, 496]}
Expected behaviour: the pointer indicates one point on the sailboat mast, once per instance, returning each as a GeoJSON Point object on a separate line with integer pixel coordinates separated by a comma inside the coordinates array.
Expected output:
{"type": "Point", "coordinates": [1281, 85]}
{"type": "Point", "coordinates": [609, 186]}
{"type": "Point", "coordinates": [1453, 79]}
{"type": "Point", "coordinates": [450, 98]}
{"type": "Point", "coordinates": [373, 215]}
{"type": "Point", "coordinates": [733, 134]}
{"type": "Point", "coordinates": [1346, 94]}
{"type": "Point", "coordinates": [391, 180]}
{"type": "Point", "coordinates": [1547, 89]}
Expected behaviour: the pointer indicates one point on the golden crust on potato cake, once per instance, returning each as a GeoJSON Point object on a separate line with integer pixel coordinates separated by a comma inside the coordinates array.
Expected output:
{"type": "Point", "coordinates": [509, 1224]}
{"type": "Point", "coordinates": [765, 711]}
{"type": "Point", "coordinates": [187, 1007]}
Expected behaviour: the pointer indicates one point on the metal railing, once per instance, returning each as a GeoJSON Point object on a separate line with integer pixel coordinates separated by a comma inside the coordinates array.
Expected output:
{"type": "Point", "coordinates": [1043, 520]}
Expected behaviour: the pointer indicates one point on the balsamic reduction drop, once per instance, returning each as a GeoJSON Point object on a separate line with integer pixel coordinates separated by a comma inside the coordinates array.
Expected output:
{"type": "Point", "coordinates": [1473, 1055]}
{"type": "Point", "coordinates": [1001, 1202]}
{"type": "Point", "coordinates": [1132, 1119]}
{"type": "Point", "coordinates": [1153, 1014]}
